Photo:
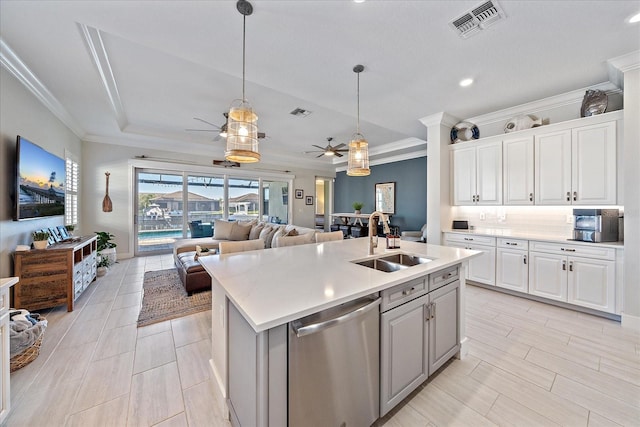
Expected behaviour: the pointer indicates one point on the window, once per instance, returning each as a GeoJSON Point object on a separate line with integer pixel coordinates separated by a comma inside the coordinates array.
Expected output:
{"type": "Point", "coordinates": [71, 189]}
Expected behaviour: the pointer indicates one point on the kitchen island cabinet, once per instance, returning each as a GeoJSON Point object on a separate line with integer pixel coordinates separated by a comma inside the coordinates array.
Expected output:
{"type": "Point", "coordinates": [256, 294]}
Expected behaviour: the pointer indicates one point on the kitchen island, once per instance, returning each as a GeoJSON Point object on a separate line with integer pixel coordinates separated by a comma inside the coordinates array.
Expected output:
{"type": "Point", "coordinates": [265, 290]}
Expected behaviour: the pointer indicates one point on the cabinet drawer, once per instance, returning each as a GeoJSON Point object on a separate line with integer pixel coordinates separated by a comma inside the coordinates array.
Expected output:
{"type": "Point", "coordinates": [470, 238]}
{"type": "Point", "coordinates": [513, 243]}
{"type": "Point", "coordinates": [443, 277]}
{"type": "Point", "coordinates": [402, 293]}
{"type": "Point", "coordinates": [587, 251]}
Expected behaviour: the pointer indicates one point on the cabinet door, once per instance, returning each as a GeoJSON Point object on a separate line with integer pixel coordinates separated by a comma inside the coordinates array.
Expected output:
{"type": "Point", "coordinates": [553, 168]}
{"type": "Point", "coordinates": [404, 351]}
{"type": "Point", "coordinates": [443, 325]}
{"type": "Point", "coordinates": [483, 268]}
{"type": "Point", "coordinates": [592, 283]}
{"type": "Point", "coordinates": [5, 401]}
{"type": "Point", "coordinates": [489, 174]}
{"type": "Point", "coordinates": [548, 275]}
{"type": "Point", "coordinates": [517, 171]}
{"type": "Point", "coordinates": [464, 176]}
{"type": "Point", "coordinates": [512, 270]}
{"type": "Point", "coordinates": [594, 164]}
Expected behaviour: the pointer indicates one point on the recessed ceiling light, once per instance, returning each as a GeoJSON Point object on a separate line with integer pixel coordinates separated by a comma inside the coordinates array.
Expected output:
{"type": "Point", "coordinates": [635, 18]}
{"type": "Point", "coordinates": [359, 1]}
{"type": "Point", "coordinates": [466, 82]}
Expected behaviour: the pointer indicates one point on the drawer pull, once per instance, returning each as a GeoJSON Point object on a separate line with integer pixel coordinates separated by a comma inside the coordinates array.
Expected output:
{"type": "Point", "coordinates": [468, 238]}
{"type": "Point", "coordinates": [570, 265]}
{"type": "Point", "coordinates": [512, 244]}
{"type": "Point", "coordinates": [408, 291]}
{"type": "Point", "coordinates": [446, 276]}
{"type": "Point", "coordinates": [568, 249]}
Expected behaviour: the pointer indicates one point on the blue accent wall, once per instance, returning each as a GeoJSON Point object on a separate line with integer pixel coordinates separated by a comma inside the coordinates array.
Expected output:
{"type": "Point", "coordinates": [410, 177]}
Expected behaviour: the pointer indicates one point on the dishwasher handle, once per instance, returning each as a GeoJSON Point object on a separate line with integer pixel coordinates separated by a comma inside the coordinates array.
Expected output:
{"type": "Point", "coordinates": [320, 326]}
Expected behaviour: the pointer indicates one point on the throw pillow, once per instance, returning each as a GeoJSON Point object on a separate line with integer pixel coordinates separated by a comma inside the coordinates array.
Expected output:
{"type": "Point", "coordinates": [240, 231]}
{"type": "Point", "coordinates": [267, 234]}
{"type": "Point", "coordinates": [292, 232]}
{"type": "Point", "coordinates": [255, 231]}
{"type": "Point", "coordinates": [222, 229]}
{"type": "Point", "coordinates": [270, 238]}
{"type": "Point", "coordinates": [301, 239]}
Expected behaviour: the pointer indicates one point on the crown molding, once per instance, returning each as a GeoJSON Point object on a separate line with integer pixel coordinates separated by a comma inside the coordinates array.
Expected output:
{"type": "Point", "coordinates": [390, 159]}
{"type": "Point", "coordinates": [100, 58]}
{"type": "Point", "coordinates": [12, 63]}
{"type": "Point", "coordinates": [627, 62]}
{"type": "Point", "coordinates": [441, 118]}
{"type": "Point", "coordinates": [541, 105]}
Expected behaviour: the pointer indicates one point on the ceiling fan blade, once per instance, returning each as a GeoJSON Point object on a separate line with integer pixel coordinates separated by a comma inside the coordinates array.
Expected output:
{"type": "Point", "coordinates": [320, 155]}
{"type": "Point", "coordinates": [338, 146]}
{"type": "Point", "coordinates": [321, 148]}
{"type": "Point", "coordinates": [338, 154]}
{"type": "Point", "coordinates": [204, 121]}
{"type": "Point", "coordinates": [217, 137]}
{"type": "Point", "coordinates": [201, 130]}
{"type": "Point", "coordinates": [261, 135]}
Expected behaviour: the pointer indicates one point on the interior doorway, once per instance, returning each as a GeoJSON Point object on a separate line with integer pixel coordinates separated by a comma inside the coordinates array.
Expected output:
{"type": "Point", "coordinates": [324, 203]}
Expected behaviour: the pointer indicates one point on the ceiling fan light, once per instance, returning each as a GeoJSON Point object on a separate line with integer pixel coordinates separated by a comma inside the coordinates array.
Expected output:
{"type": "Point", "coordinates": [358, 162]}
{"type": "Point", "coordinates": [329, 153]}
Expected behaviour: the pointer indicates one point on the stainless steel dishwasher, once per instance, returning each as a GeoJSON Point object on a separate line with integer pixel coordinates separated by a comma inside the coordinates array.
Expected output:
{"type": "Point", "coordinates": [334, 365]}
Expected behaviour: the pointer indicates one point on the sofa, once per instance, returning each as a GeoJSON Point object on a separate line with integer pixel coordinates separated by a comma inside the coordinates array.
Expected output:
{"type": "Point", "coordinates": [193, 275]}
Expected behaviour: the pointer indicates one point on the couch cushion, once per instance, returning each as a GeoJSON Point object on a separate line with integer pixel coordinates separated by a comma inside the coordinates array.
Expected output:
{"type": "Point", "coordinates": [255, 230]}
{"type": "Point", "coordinates": [222, 229]}
{"type": "Point", "coordinates": [267, 234]}
{"type": "Point", "coordinates": [240, 231]}
{"type": "Point", "coordinates": [302, 239]}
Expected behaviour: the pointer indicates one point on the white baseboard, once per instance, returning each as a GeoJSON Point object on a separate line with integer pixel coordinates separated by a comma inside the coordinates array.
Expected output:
{"type": "Point", "coordinates": [220, 391]}
{"type": "Point", "coordinates": [464, 347]}
{"type": "Point", "coordinates": [630, 322]}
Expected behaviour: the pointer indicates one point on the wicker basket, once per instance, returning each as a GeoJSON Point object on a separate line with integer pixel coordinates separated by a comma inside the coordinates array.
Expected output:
{"type": "Point", "coordinates": [27, 355]}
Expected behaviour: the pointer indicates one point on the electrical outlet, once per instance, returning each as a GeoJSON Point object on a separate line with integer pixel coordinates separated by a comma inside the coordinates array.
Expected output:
{"type": "Point", "coordinates": [569, 219]}
{"type": "Point", "coordinates": [483, 216]}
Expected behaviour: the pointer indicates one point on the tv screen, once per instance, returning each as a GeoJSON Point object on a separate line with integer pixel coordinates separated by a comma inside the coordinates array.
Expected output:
{"type": "Point", "coordinates": [40, 182]}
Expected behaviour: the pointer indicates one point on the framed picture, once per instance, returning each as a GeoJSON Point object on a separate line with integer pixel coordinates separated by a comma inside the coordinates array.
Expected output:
{"type": "Point", "coordinates": [385, 197]}
{"type": "Point", "coordinates": [309, 200]}
{"type": "Point", "coordinates": [299, 194]}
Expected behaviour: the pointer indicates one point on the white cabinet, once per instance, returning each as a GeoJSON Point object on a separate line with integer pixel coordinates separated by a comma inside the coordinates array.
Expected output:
{"type": "Point", "coordinates": [512, 264]}
{"type": "Point", "coordinates": [5, 353]}
{"type": "Point", "coordinates": [577, 274]}
{"type": "Point", "coordinates": [553, 168]}
{"type": "Point", "coordinates": [477, 174]}
{"type": "Point", "coordinates": [443, 325]}
{"type": "Point", "coordinates": [593, 167]}
{"type": "Point", "coordinates": [481, 269]}
{"type": "Point", "coordinates": [576, 166]}
{"type": "Point", "coordinates": [518, 171]}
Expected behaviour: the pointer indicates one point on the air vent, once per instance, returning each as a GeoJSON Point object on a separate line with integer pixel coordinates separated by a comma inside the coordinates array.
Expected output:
{"type": "Point", "coordinates": [300, 112]}
{"type": "Point", "coordinates": [478, 18]}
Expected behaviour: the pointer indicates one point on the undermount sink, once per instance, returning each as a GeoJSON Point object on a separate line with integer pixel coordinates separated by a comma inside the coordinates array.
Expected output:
{"type": "Point", "coordinates": [394, 262]}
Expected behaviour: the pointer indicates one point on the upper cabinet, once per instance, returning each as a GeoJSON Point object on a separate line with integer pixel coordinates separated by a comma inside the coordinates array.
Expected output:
{"type": "Point", "coordinates": [477, 174]}
{"type": "Point", "coordinates": [571, 163]}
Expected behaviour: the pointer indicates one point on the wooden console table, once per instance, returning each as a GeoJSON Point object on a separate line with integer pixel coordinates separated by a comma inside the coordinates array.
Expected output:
{"type": "Point", "coordinates": [56, 275]}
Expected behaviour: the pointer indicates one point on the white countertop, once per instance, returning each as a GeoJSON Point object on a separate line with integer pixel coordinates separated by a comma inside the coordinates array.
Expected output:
{"type": "Point", "coordinates": [8, 281]}
{"type": "Point", "coordinates": [274, 286]}
{"type": "Point", "coordinates": [531, 235]}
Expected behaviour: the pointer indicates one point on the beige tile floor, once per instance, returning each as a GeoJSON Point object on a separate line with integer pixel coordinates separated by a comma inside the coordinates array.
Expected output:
{"type": "Point", "coordinates": [529, 364]}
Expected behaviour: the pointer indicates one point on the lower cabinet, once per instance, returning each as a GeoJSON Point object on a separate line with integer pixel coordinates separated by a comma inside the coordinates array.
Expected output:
{"type": "Point", "coordinates": [512, 264]}
{"type": "Point", "coordinates": [481, 269]}
{"type": "Point", "coordinates": [416, 338]}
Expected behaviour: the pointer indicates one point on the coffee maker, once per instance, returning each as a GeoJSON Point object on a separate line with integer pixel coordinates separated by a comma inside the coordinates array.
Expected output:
{"type": "Point", "coordinates": [595, 225]}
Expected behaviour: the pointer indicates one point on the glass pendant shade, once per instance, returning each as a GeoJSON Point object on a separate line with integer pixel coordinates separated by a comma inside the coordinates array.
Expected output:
{"type": "Point", "coordinates": [358, 163]}
{"type": "Point", "coordinates": [242, 134]}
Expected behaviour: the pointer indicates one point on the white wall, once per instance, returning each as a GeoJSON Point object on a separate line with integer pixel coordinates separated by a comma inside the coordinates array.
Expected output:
{"type": "Point", "coordinates": [21, 113]}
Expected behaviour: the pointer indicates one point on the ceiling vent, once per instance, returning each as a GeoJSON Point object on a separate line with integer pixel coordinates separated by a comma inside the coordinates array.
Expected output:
{"type": "Point", "coordinates": [300, 112]}
{"type": "Point", "coordinates": [478, 18]}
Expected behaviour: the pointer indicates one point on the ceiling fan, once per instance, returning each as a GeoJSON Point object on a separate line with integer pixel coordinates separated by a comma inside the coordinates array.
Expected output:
{"type": "Point", "coordinates": [222, 130]}
{"type": "Point", "coordinates": [226, 163]}
{"type": "Point", "coordinates": [329, 150]}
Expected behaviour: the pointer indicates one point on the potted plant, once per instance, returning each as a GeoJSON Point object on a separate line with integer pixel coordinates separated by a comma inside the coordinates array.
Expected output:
{"type": "Point", "coordinates": [357, 206]}
{"type": "Point", "coordinates": [70, 228]}
{"type": "Point", "coordinates": [103, 265]}
{"type": "Point", "coordinates": [40, 239]}
{"type": "Point", "coordinates": [106, 248]}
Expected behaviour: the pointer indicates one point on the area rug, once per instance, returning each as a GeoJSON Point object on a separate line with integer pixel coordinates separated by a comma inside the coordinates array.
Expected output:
{"type": "Point", "coordinates": [164, 298]}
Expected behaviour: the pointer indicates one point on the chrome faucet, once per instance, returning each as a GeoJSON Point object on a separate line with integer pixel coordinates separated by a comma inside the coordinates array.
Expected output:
{"type": "Point", "coordinates": [385, 227]}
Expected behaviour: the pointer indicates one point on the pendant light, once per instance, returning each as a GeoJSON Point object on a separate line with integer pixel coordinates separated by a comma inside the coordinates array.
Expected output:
{"type": "Point", "coordinates": [358, 164]}
{"type": "Point", "coordinates": [242, 130]}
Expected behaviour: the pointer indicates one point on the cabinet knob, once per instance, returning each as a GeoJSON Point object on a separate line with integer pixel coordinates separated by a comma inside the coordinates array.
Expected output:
{"type": "Point", "coordinates": [408, 291]}
{"type": "Point", "coordinates": [564, 266]}
{"type": "Point", "coordinates": [570, 265]}
{"type": "Point", "coordinates": [524, 258]}
{"type": "Point", "coordinates": [531, 197]}
{"type": "Point", "coordinates": [568, 196]}
{"type": "Point", "coordinates": [575, 196]}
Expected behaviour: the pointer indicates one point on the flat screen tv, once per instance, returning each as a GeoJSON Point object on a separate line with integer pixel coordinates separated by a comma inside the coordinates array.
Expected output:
{"type": "Point", "coordinates": [40, 182]}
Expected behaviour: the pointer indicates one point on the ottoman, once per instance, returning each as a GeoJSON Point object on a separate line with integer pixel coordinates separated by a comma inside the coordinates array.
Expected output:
{"type": "Point", "coordinates": [192, 274]}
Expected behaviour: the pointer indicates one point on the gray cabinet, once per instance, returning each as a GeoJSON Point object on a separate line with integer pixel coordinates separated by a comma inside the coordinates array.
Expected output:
{"type": "Point", "coordinates": [418, 334]}
{"type": "Point", "coordinates": [443, 325]}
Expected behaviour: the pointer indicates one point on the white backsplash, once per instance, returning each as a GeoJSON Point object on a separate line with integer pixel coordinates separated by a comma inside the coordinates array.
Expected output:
{"type": "Point", "coordinates": [556, 220]}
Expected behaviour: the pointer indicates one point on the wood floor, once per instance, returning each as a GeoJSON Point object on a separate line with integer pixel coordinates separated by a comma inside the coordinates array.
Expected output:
{"type": "Point", "coordinates": [529, 364]}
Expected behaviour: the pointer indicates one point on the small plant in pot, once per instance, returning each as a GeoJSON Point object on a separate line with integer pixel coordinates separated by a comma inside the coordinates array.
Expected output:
{"type": "Point", "coordinates": [40, 239]}
{"type": "Point", "coordinates": [106, 248]}
{"type": "Point", "coordinates": [103, 265]}
{"type": "Point", "coordinates": [357, 206]}
{"type": "Point", "coordinates": [70, 228]}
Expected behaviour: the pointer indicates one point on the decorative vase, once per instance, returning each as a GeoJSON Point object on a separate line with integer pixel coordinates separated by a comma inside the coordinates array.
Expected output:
{"type": "Point", "coordinates": [40, 244]}
{"type": "Point", "coordinates": [357, 212]}
{"type": "Point", "coordinates": [101, 271]}
{"type": "Point", "coordinates": [110, 253]}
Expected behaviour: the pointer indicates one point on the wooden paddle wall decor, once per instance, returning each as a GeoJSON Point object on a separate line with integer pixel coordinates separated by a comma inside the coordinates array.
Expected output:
{"type": "Point", "coordinates": [107, 205]}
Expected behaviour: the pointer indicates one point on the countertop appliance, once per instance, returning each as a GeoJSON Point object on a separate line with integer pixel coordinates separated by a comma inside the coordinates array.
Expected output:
{"type": "Point", "coordinates": [595, 225]}
{"type": "Point", "coordinates": [334, 365]}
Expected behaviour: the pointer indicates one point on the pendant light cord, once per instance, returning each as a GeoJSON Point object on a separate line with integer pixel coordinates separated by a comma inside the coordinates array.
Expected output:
{"type": "Point", "coordinates": [358, 108]}
{"type": "Point", "coordinates": [244, 30]}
